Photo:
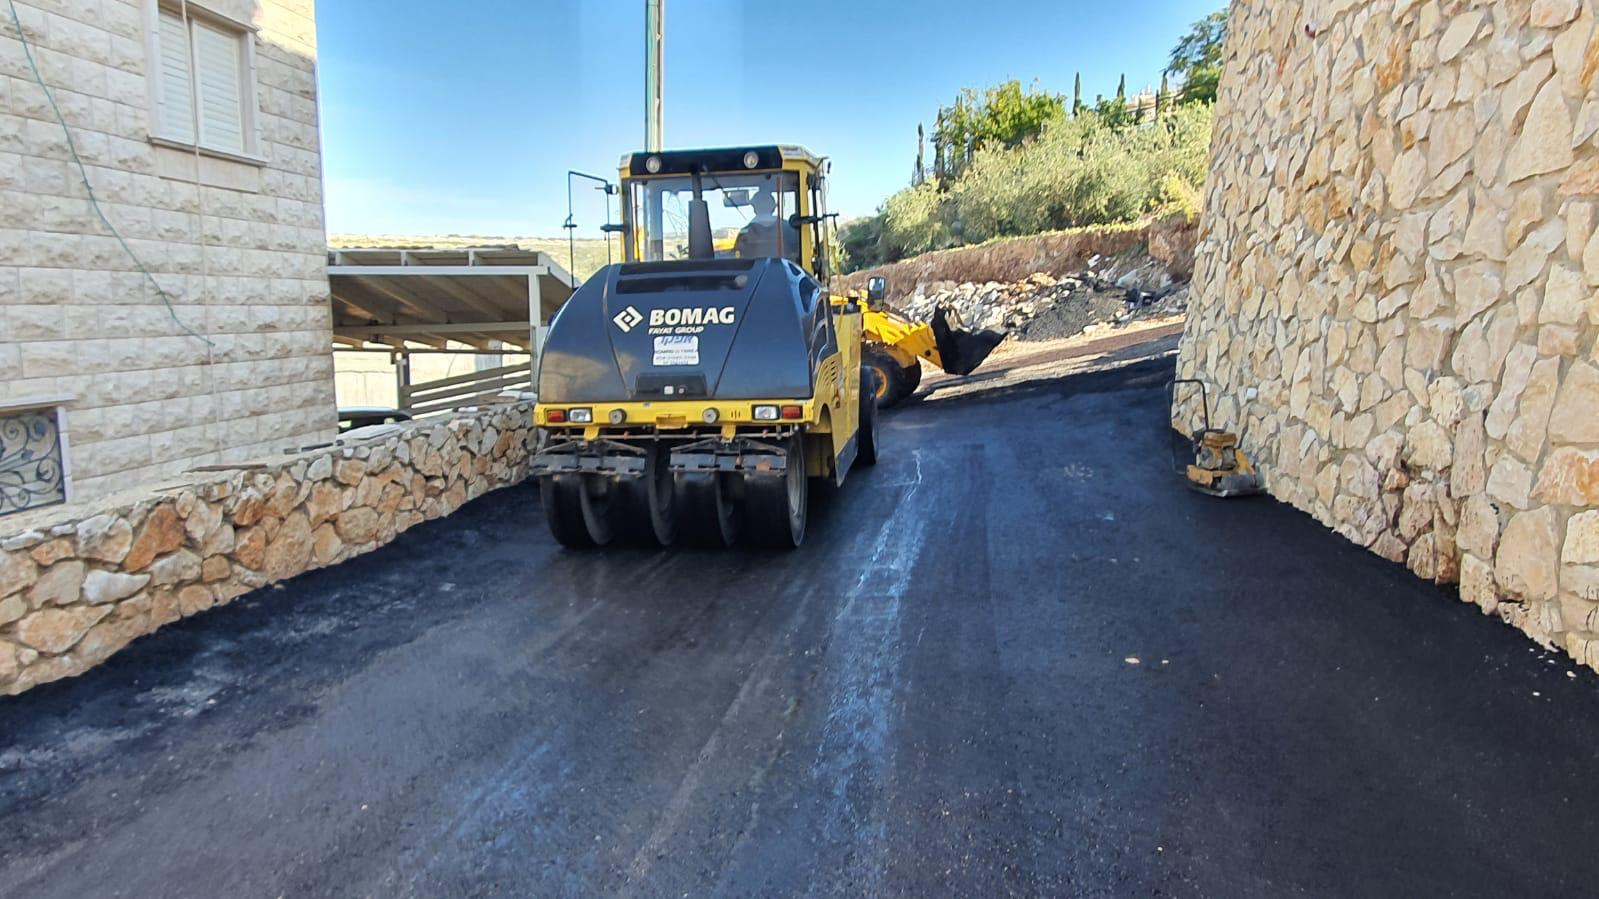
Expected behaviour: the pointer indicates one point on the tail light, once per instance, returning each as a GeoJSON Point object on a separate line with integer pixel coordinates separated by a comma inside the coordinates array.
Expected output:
{"type": "Point", "coordinates": [555, 416]}
{"type": "Point", "coordinates": [793, 413]}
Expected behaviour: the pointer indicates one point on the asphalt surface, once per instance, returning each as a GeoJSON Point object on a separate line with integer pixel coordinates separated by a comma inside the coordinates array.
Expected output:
{"type": "Point", "coordinates": [936, 696]}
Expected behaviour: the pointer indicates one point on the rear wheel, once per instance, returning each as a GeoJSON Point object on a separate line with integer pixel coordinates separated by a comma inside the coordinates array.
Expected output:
{"type": "Point", "coordinates": [777, 507]}
{"type": "Point", "coordinates": [866, 440]}
{"type": "Point", "coordinates": [707, 511]}
{"type": "Point", "coordinates": [597, 500]}
{"type": "Point", "coordinates": [647, 515]}
{"type": "Point", "coordinates": [561, 496]}
{"type": "Point", "coordinates": [890, 377]}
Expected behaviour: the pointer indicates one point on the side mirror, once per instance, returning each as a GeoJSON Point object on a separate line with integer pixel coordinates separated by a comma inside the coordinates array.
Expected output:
{"type": "Point", "coordinates": [876, 288]}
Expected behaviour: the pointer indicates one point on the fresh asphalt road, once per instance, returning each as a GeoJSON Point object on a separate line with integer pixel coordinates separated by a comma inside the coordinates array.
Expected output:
{"type": "Point", "coordinates": [935, 696]}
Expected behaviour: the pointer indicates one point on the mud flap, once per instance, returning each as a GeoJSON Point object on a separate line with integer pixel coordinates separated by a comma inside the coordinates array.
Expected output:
{"type": "Point", "coordinates": [962, 351]}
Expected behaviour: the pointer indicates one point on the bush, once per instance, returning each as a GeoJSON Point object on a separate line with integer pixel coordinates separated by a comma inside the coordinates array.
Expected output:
{"type": "Point", "coordinates": [1078, 171]}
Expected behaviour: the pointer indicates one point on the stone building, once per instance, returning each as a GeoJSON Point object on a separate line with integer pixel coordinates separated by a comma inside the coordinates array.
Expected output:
{"type": "Point", "coordinates": [163, 296]}
{"type": "Point", "coordinates": [1395, 296]}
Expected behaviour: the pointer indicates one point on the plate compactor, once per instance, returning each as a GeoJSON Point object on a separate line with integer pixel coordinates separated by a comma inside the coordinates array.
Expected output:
{"type": "Point", "coordinates": [1220, 467]}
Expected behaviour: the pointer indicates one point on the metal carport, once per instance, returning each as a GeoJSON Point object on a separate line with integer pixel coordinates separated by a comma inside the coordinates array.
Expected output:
{"type": "Point", "coordinates": [493, 299]}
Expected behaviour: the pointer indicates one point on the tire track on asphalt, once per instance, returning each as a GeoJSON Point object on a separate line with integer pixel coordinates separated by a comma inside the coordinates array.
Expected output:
{"type": "Point", "coordinates": [852, 762]}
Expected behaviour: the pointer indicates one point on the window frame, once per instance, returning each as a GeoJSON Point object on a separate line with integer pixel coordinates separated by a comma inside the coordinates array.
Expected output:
{"type": "Point", "coordinates": [249, 91]}
{"type": "Point", "coordinates": [56, 406]}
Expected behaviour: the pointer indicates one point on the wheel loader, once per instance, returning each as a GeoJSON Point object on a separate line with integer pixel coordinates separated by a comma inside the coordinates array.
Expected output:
{"type": "Point", "coordinates": [895, 346]}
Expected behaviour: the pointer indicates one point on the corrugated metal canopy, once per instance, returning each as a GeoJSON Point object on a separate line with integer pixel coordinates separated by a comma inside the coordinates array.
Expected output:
{"type": "Point", "coordinates": [431, 296]}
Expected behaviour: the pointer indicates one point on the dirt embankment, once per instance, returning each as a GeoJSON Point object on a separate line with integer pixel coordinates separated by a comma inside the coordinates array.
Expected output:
{"type": "Point", "coordinates": [1059, 254]}
{"type": "Point", "coordinates": [1051, 286]}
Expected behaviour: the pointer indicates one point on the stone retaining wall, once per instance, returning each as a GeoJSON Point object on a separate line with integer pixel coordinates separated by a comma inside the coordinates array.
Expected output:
{"type": "Point", "coordinates": [1395, 290]}
{"type": "Point", "coordinates": [78, 583]}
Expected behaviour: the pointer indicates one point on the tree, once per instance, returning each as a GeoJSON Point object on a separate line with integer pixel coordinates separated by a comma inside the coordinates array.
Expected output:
{"type": "Point", "coordinates": [1077, 96]}
{"type": "Point", "coordinates": [919, 174]}
{"type": "Point", "coordinates": [1197, 58]}
{"type": "Point", "coordinates": [1001, 116]}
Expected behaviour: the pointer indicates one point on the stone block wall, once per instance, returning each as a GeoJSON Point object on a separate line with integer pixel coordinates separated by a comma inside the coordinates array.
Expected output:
{"type": "Point", "coordinates": [79, 582]}
{"type": "Point", "coordinates": [238, 246]}
{"type": "Point", "coordinates": [1395, 293]}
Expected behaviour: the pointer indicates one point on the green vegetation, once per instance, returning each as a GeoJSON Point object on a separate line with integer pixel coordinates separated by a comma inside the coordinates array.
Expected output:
{"type": "Point", "coordinates": [1000, 116]}
{"type": "Point", "coordinates": [1197, 59]}
{"type": "Point", "coordinates": [1010, 162]}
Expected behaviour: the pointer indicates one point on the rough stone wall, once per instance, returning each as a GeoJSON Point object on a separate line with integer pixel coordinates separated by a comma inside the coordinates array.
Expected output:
{"type": "Point", "coordinates": [1395, 289]}
{"type": "Point", "coordinates": [239, 247]}
{"type": "Point", "coordinates": [1057, 253]}
{"type": "Point", "coordinates": [79, 582]}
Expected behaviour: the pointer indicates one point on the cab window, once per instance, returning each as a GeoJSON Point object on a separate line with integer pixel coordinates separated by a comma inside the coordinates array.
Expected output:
{"type": "Point", "coordinates": [749, 215]}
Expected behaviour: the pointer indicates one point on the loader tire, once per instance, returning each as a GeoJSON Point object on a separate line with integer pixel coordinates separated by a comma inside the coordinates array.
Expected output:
{"type": "Point", "coordinates": [561, 497]}
{"type": "Point", "coordinates": [890, 377]}
{"type": "Point", "coordinates": [913, 378]}
{"type": "Point", "coordinates": [647, 516]}
{"type": "Point", "coordinates": [708, 513]}
{"type": "Point", "coordinates": [776, 508]}
{"type": "Point", "coordinates": [866, 437]}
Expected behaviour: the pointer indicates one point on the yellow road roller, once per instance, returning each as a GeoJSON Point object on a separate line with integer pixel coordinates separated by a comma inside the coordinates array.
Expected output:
{"type": "Point", "coordinates": [691, 394]}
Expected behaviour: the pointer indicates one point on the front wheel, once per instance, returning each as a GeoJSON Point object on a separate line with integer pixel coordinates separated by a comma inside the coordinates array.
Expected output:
{"type": "Point", "coordinates": [648, 516]}
{"type": "Point", "coordinates": [777, 507]}
{"type": "Point", "coordinates": [707, 510]}
{"type": "Point", "coordinates": [866, 437]}
{"type": "Point", "coordinates": [891, 379]}
{"type": "Point", "coordinates": [561, 497]}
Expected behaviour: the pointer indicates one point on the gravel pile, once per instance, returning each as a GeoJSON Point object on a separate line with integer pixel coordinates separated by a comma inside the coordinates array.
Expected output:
{"type": "Point", "coordinates": [1041, 307]}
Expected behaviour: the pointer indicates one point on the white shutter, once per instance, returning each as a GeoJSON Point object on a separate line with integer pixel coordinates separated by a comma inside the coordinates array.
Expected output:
{"type": "Point", "coordinates": [174, 83]}
{"type": "Point", "coordinates": [218, 55]}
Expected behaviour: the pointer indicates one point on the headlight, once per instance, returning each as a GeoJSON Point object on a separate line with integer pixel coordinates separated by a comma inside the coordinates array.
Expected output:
{"type": "Point", "coordinates": [766, 413]}
{"type": "Point", "coordinates": [710, 416]}
{"type": "Point", "coordinates": [580, 416]}
{"type": "Point", "coordinates": [618, 416]}
{"type": "Point", "coordinates": [751, 159]}
{"type": "Point", "coordinates": [653, 165]}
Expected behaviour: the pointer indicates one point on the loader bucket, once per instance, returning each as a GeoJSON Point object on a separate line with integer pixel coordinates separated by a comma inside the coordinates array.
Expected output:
{"type": "Point", "coordinates": [962, 351]}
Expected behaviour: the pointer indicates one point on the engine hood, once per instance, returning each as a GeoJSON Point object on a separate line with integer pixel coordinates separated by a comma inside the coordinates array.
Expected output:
{"type": "Point", "coordinates": [725, 329]}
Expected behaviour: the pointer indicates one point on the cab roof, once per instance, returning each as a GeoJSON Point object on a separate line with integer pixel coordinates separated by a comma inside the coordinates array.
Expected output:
{"type": "Point", "coordinates": [722, 159]}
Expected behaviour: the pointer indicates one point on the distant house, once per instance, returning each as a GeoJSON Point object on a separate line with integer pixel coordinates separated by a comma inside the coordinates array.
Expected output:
{"type": "Point", "coordinates": [186, 320]}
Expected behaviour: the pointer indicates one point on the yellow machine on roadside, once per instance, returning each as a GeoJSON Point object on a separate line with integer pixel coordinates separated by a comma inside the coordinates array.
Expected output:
{"type": "Point", "coordinates": [693, 391]}
{"type": "Point", "coordinates": [1220, 467]}
{"type": "Point", "coordinates": [896, 345]}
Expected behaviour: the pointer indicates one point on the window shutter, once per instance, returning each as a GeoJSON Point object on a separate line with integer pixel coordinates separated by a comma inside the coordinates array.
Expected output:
{"type": "Point", "coordinates": [221, 98]}
{"type": "Point", "coordinates": [175, 118]}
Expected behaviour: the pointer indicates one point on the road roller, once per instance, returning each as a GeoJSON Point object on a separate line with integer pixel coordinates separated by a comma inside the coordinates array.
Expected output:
{"type": "Point", "coordinates": [694, 392]}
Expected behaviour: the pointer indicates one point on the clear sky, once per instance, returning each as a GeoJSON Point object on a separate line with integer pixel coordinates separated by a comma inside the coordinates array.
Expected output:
{"type": "Point", "coordinates": [464, 117]}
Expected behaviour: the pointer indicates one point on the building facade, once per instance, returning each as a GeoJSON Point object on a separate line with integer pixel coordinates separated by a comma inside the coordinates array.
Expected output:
{"type": "Point", "coordinates": [163, 290]}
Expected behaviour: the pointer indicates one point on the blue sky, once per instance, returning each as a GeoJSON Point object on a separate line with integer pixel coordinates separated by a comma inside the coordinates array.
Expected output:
{"type": "Point", "coordinates": [464, 119]}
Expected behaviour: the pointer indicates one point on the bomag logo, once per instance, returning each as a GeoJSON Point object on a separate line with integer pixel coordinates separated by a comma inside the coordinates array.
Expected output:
{"type": "Point", "coordinates": [692, 316]}
{"type": "Point", "coordinates": [628, 319]}
{"type": "Point", "coordinates": [691, 320]}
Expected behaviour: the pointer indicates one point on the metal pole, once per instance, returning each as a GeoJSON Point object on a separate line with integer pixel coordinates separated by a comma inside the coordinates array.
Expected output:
{"type": "Point", "coordinates": [654, 73]}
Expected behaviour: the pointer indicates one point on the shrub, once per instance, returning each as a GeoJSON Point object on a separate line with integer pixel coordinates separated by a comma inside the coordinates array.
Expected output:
{"type": "Point", "coordinates": [1078, 171]}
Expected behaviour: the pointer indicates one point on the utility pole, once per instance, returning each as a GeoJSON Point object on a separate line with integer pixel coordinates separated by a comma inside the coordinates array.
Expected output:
{"type": "Point", "coordinates": [654, 73]}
